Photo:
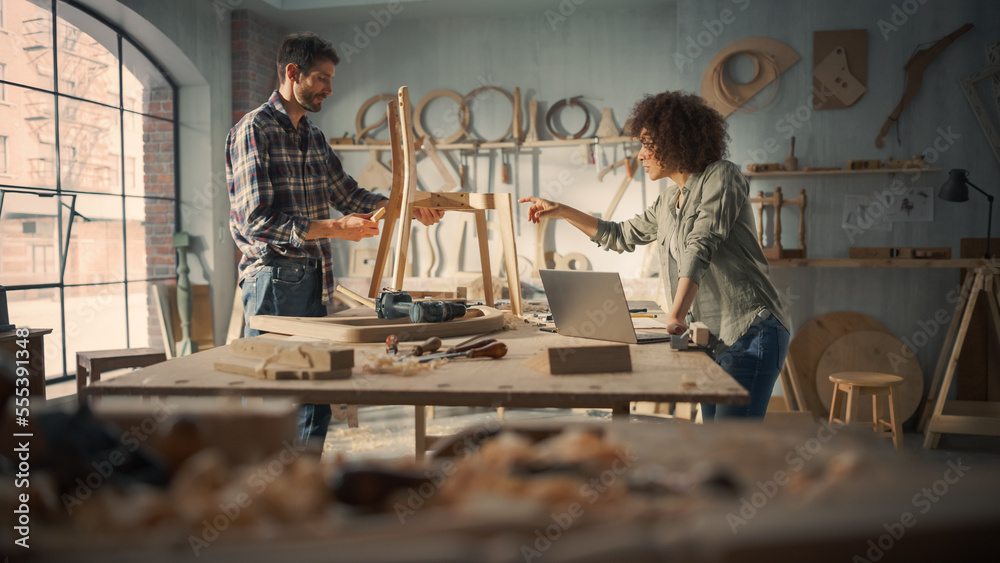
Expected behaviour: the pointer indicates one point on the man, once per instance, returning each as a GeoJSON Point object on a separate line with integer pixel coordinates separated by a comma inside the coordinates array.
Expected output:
{"type": "Point", "coordinates": [283, 178]}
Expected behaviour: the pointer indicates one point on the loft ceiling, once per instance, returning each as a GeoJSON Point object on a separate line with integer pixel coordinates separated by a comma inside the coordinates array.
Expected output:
{"type": "Point", "coordinates": [294, 13]}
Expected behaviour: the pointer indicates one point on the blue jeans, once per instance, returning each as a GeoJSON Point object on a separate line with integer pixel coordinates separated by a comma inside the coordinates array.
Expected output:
{"type": "Point", "coordinates": [754, 361]}
{"type": "Point", "coordinates": [289, 289]}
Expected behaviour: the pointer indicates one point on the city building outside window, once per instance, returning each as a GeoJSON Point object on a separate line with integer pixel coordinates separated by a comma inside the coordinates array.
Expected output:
{"type": "Point", "coordinates": [87, 180]}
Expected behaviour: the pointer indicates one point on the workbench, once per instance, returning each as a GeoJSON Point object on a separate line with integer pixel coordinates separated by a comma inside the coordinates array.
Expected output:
{"type": "Point", "coordinates": [799, 493]}
{"type": "Point", "coordinates": [659, 374]}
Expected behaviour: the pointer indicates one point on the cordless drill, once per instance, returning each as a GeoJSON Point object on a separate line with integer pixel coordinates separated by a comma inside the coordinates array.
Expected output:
{"type": "Point", "coordinates": [392, 304]}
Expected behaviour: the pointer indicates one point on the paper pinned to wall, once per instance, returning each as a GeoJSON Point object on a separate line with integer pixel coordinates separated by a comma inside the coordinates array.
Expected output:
{"type": "Point", "coordinates": [917, 204]}
{"type": "Point", "coordinates": [863, 213]}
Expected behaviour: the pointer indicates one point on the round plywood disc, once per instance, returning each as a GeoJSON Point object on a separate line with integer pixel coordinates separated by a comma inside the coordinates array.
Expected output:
{"type": "Point", "coordinates": [811, 341]}
{"type": "Point", "coordinates": [869, 350]}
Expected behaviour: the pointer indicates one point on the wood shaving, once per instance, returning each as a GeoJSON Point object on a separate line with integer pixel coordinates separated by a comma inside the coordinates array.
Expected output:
{"type": "Point", "coordinates": [407, 367]}
{"type": "Point", "coordinates": [511, 321]}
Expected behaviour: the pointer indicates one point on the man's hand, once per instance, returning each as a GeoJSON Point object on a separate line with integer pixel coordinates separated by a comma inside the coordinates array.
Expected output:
{"type": "Point", "coordinates": [352, 227]}
{"type": "Point", "coordinates": [541, 207]}
{"type": "Point", "coordinates": [427, 216]}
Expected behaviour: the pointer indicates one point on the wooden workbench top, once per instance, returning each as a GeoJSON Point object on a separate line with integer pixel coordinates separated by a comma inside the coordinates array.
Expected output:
{"type": "Point", "coordinates": [659, 374]}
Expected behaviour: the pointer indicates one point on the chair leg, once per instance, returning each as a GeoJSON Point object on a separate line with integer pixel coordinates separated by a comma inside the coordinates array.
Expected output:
{"type": "Point", "coordinates": [82, 374]}
{"type": "Point", "coordinates": [897, 424]}
{"type": "Point", "coordinates": [505, 216]}
{"type": "Point", "coordinates": [853, 400]}
{"type": "Point", "coordinates": [875, 418]}
{"type": "Point", "coordinates": [838, 403]}
{"type": "Point", "coordinates": [482, 234]}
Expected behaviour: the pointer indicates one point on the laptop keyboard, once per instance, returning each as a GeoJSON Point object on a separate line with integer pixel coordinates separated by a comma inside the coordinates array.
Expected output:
{"type": "Point", "coordinates": [641, 336]}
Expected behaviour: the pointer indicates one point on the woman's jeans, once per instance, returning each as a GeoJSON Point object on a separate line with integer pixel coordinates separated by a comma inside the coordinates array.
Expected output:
{"type": "Point", "coordinates": [754, 361]}
{"type": "Point", "coordinates": [289, 289]}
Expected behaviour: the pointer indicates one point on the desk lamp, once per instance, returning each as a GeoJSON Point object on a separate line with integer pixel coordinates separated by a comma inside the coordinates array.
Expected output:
{"type": "Point", "coordinates": [956, 188]}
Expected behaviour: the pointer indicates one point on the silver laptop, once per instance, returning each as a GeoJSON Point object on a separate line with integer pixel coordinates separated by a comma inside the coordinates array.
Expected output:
{"type": "Point", "coordinates": [593, 305]}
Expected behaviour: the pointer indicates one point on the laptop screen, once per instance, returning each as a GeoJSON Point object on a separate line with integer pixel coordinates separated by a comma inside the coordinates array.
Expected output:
{"type": "Point", "coordinates": [588, 304]}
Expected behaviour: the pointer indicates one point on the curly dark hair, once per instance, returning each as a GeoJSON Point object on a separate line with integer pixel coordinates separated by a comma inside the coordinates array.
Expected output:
{"type": "Point", "coordinates": [685, 133]}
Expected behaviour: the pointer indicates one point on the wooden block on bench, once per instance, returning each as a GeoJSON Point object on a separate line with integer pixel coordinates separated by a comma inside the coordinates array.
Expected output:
{"type": "Point", "coordinates": [271, 358]}
{"type": "Point", "coordinates": [582, 359]}
{"type": "Point", "coordinates": [699, 333]}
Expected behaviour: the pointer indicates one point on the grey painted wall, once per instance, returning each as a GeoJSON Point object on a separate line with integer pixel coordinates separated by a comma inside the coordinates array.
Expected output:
{"type": "Point", "coordinates": [619, 55]}
{"type": "Point", "coordinates": [191, 39]}
{"type": "Point", "coordinates": [905, 300]}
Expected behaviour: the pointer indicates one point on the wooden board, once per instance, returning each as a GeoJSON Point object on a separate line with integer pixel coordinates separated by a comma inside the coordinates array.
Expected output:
{"type": "Point", "coordinates": [854, 43]}
{"type": "Point", "coordinates": [317, 355]}
{"type": "Point", "coordinates": [968, 84]}
{"type": "Point", "coordinates": [784, 57]}
{"type": "Point", "coordinates": [569, 360]}
{"type": "Point", "coordinates": [243, 434]}
{"type": "Point", "coordinates": [278, 371]}
{"type": "Point", "coordinates": [658, 374]}
{"type": "Point", "coordinates": [373, 329]}
{"type": "Point", "coordinates": [170, 322]}
{"type": "Point", "coordinates": [906, 253]}
{"type": "Point", "coordinates": [812, 340]}
{"type": "Point", "coordinates": [869, 350]}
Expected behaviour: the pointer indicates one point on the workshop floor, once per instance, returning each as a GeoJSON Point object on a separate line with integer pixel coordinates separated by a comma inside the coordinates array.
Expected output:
{"type": "Point", "coordinates": [386, 433]}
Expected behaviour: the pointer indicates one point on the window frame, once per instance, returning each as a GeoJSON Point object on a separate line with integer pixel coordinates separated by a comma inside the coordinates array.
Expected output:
{"type": "Point", "coordinates": [4, 157]}
{"type": "Point", "coordinates": [68, 368]}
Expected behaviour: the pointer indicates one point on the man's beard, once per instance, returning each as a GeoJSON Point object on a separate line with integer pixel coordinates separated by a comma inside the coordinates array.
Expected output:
{"type": "Point", "coordinates": [309, 103]}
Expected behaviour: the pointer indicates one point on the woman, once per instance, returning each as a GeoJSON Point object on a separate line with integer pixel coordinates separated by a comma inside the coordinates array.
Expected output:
{"type": "Point", "coordinates": [705, 232]}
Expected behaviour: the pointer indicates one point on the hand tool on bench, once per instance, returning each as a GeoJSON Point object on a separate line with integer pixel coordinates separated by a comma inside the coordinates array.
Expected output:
{"type": "Point", "coordinates": [432, 344]}
{"type": "Point", "coordinates": [391, 345]}
{"type": "Point", "coordinates": [492, 350]}
{"type": "Point", "coordinates": [461, 349]}
{"type": "Point", "coordinates": [391, 304]}
{"type": "Point", "coordinates": [464, 345]}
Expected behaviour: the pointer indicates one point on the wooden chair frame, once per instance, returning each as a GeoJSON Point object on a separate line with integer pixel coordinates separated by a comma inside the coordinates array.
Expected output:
{"type": "Point", "coordinates": [776, 200]}
{"type": "Point", "coordinates": [404, 198]}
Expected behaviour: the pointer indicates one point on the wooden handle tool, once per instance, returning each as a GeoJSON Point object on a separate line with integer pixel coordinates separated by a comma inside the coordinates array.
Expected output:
{"type": "Point", "coordinates": [494, 350]}
{"type": "Point", "coordinates": [432, 344]}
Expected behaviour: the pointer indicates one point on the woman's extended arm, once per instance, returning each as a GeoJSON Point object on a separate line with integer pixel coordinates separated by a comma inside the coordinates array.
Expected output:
{"type": "Point", "coordinates": [586, 222]}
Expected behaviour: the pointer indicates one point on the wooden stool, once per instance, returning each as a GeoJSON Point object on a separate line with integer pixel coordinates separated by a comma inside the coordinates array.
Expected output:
{"type": "Point", "coordinates": [854, 384]}
{"type": "Point", "coordinates": [90, 365]}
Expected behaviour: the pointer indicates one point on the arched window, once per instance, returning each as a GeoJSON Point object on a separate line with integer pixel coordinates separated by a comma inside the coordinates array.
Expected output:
{"type": "Point", "coordinates": [88, 190]}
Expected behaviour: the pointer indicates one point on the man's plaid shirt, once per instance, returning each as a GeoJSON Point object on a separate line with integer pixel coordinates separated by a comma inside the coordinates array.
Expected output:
{"type": "Point", "coordinates": [279, 180]}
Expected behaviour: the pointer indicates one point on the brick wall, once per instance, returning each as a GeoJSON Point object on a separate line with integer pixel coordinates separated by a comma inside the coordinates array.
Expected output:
{"type": "Point", "coordinates": [254, 50]}
{"type": "Point", "coordinates": [158, 181]}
